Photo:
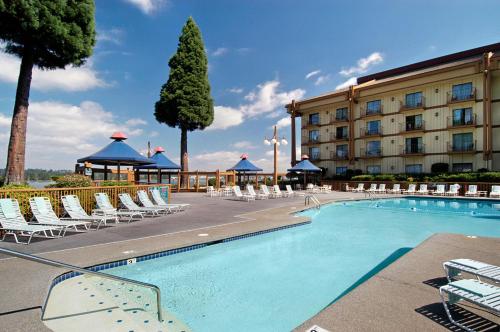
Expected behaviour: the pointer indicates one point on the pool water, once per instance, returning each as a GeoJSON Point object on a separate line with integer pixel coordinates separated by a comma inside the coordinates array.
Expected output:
{"type": "Point", "coordinates": [275, 281]}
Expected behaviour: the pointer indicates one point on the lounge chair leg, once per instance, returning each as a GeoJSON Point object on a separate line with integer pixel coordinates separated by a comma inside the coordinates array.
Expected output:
{"type": "Point", "coordinates": [448, 313]}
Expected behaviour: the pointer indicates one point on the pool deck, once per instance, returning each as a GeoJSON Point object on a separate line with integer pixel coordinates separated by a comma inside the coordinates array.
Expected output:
{"type": "Point", "coordinates": [400, 295]}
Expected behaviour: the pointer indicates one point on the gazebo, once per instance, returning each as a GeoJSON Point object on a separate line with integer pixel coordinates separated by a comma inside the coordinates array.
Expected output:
{"type": "Point", "coordinates": [161, 162]}
{"type": "Point", "coordinates": [117, 153]}
{"type": "Point", "coordinates": [245, 167]}
{"type": "Point", "coordinates": [305, 166]}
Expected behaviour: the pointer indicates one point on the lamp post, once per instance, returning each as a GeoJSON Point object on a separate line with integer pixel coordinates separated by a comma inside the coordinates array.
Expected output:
{"type": "Point", "coordinates": [276, 142]}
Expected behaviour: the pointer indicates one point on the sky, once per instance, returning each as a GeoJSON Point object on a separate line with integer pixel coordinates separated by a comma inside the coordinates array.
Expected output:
{"type": "Point", "coordinates": [261, 54]}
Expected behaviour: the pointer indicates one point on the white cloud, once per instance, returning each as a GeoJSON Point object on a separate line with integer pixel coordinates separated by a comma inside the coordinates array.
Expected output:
{"type": "Point", "coordinates": [69, 79]}
{"type": "Point", "coordinates": [154, 133]}
{"type": "Point", "coordinates": [147, 6]}
{"type": "Point", "coordinates": [363, 64]}
{"type": "Point", "coordinates": [4, 121]}
{"type": "Point", "coordinates": [225, 117]}
{"type": "Point", "coordinates": [113, 35]}
{"type": "Point", "coordinates": [135, 122]}
{"type": "Point", "coordinates": [244, 145]}
{"type": "Point", "coordinates": [214, 160]}
{"type": "Point", "coordinates": [346, 84]}
{"type": "Point", "coordinates": [313, 73]}
{"type": "Point", "coordinates": [236, 90]}
{"type": "Point", "coordinates": [283, 123]}
{"type": "Point", "coordinates": [220, 51]}
{"type": "Point", "coordinates": [322, 79]}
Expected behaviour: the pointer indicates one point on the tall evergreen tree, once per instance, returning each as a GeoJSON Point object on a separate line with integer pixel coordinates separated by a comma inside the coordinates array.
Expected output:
{"type": "Point", "coordinates": [48, 34]}
{"type": "Point", "coordinates": [185, 100]}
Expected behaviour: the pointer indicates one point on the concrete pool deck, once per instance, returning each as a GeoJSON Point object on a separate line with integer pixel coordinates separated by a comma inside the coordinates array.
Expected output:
{"type": "Point", "coordinates": [24, 284]}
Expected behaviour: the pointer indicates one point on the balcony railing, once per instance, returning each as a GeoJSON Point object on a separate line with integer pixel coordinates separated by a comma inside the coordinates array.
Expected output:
{"type": "Point", "coordinates": [462, 122]}
{"type": "Point", "coordinates": [404, 106]}
{"type": "Point", "coordinates": [335, 137]}
{"type": "Point", "coordinates": [462, 148]}
{"type": "Point", "coordinates": [413, 150]}
{"type": "Point", "coordinates": [371, 112]}
{"type": "Point", "coordinates": [371, 153]}
{"type": "Point", "coordinates": [339, 155]}
{"type": "Point", "coordinates": [335, 119]}
{"type": "Point", "coordinates": [314, 156]}
{"type": "Point", "coordinates": [368, 132]}
{"type": "Point", "coordinates": [460, 97]}
{"type": "Point", "coordinates": [307, 122]}
{"type": "Point", "coordinates": [311, 140]}
{"type": "Point", "coordinates": [410, 127]}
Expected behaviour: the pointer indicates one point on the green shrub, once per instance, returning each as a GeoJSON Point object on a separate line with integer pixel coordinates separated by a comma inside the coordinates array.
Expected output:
{"type": "Point", "coordinates": [489, 177]}
{"type": "Point", "coordinates": [15, 186]}
{"type": "Point", "coordinates": [71, 181]}
{"type": "Point", "coordinates": [211, 182]}
{"type": "Point", "coordinates": [384, 177]}
{"type": "Point", "coordinates": [365, 177]}
{"type": "Point", "coordinates": [114, 183]}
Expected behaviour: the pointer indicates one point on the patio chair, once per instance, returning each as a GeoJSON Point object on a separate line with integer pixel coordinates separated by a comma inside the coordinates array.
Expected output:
{"type": "Point", "coordinates": [108, 210]}
{"type": "Point", "coordinates": [75, 211]}
{"type": "Point", "coordinates": [12, 222]}
{"type": "Point", "coordinates": [44, 214]}
{"type": "Point", "coordinates": [292, 193]}
{"type": "Point", "coordinates": [373, 188]}
{"type": "Point", "coordinates": [158, 200]}
{"type": "Point", "coordinates": [212, 192]}
{"type": "Point", "coordinates": [251, 192]}
{"type": "Point", "coordinates": [495, 191]}
{"type": "Point", "coordinates": [143, 197]}
{"type": "Point", "coordinates": [473, 291]}
{"type": "Point", "coordinates": [411, 189]}
{"type": "Point", "coordinates": [278, 191]}
{"type": "Point", "coordinates": [240, 196]}
{"type": "Point", "coordinates": [266, 191]}
{"type": "Point", "coordinates": [326, 189]}
{"type": "Point", "coordinates": [439, 190]}
{"type": "Point", "coordinates": [453, 190]}
{"type": "Point", "coordinates": [396, 189]}
{"type": "Point", "coordinates": [360, 188]}
{"type": "Point", "coordinates": [381, 189]}
{"type": "Point", "coordinates": [129, 205]}
{"type": "Point", "coordinates": [456, 267]}
{"type": "Point", "coordinates": [472, 191]}
{"type": "Point", "coordinates": [423, 190]}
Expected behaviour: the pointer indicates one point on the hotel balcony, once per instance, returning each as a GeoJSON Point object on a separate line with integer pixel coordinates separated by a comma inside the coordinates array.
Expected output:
{"type": "Point", "coordinates": [371, 112]}
{"type": "Point", "coordinates": [315, 156]}
{"type": "Point", "coordinates": [451, 122]}
{"type": "Point", "coordinates": [339, 155]}
{"type": "Point", "coordinates": [306, 123]}
{"type": "Point", "coordinates": [373, 153]}
{"type": "Point", "coordinates": [366, 132]}
{"type": "Point", "coordinates": [412, 106]}
{"type": "Point", "coordinates": [311, 140]}
{"type": "Point", "coordinates": [337, 138]}
{"type": "Point", "coordinates": [409, 127]}
{"type": "Point", "coordinates": [409, 151]}
{"type": "Point", "coordinates": [462, 148]}
{"type": "Point", "coordinates": [461, 97]}
{"type": "Point", "coordinates": [335, 119]}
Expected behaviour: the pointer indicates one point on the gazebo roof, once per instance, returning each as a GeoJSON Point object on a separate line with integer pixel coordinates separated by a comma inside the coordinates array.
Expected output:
{"type": "Point", "coordinates": [305, 166]}
{"type": "Point", "coordinates": [117, 152]}
{"type": "Point", "coordinates": [244, 165]}
{"type": "Point", "coordinates": [160, 161]}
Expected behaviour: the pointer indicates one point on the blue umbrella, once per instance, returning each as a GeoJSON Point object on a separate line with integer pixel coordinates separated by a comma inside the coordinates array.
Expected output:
{"type": "Point", "coordinates": [305, 166]}
{"type": "Point", "coordinates": [161, 162]}
{"type": "Point", "coordinates": [245, 166]}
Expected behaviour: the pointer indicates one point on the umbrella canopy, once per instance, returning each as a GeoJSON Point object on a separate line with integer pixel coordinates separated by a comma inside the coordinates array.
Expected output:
{"type": "Point", "coordinates": [117, 153]}
{"type": "Point", "coordinates": [244, 165]}
{"type": "Point", "coordinates": [160, 161]}
{"type": "Point", "coordinates": [305, 166]}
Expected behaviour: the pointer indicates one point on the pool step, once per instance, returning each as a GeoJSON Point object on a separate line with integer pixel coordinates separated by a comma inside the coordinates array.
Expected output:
{"type": "Point", "coordinates": [83, 304]}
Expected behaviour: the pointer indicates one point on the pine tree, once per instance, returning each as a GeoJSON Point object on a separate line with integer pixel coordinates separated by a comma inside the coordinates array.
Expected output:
{"type": "Point", "coordinates": [48, 34]}
{"type": "Point", "coordinates": [185, 100]}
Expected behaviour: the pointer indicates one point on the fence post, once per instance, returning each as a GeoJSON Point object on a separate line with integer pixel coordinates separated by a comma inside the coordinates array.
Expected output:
{"type": "Point", "coordinates": [197, 185]}
{"type": "Point", "coordinates": [179, 181]}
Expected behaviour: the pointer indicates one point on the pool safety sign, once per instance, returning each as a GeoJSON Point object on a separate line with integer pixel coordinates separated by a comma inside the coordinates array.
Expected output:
{"type": "Point", "coordinates": [316, 328]}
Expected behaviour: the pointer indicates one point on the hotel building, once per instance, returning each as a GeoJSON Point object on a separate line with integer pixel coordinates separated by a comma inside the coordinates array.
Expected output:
{"type": "Point", "coordinates": [404, 120]}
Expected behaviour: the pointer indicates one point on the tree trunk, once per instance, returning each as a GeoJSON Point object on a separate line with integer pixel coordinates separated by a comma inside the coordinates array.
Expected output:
{"type": "Point", "coordinates": [184, 156]}
{"type": "Point", "coordinates": [14, 173]}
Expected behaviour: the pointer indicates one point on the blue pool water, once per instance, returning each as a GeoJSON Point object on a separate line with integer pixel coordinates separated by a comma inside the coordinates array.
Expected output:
{"type": "Point", "coordinates": [275, 281]}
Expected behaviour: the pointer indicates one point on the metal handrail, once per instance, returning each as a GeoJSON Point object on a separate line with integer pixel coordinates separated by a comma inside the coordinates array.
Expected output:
{"type": "Point", "coordinates": [314, 199]}
{"type": "Point", "coordinates": [84, 271]}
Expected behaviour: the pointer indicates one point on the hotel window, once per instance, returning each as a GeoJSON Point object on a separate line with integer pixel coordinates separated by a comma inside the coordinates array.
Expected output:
{"type": "Point", "coordinates": [314, 135]}
{"type": "Point", "coordinates": [341, 132]}
{"type": "Point", "coordinates": [463, 142]}
{"type": "Point", "coordinates": [374, 106]}
{"type": "Point", "coordinates": [341, 170]}
{"type": "Point", "coordinates": [314, 118]}
{"type": "Point", "coordinates": [414, 145]}
{"type": "Point", "coordinates": [314, 153]}
{"type": "Point", "coordinates": [413, 169]}
{"type": "Point", "coordinates": [341, 114]}
{"type": "Point", "coordinates": [463, 116]}
{"type": "Point", "coordinates": [461, 167]}
{"type": "Point", "coordinates": [461, 91]}
{"type": "Point", "coordinates": [414, 122]}
{"type": "Point", "coordinates": [375, 169]}
{"type": "Point", "coordinates": [413, 100]}
{"type": "Point", "coordinates": [373, 127]}
{"type": "Point", "coordinates": [341, 151]}
{"type": "Point", "coordinates": [373, 148]}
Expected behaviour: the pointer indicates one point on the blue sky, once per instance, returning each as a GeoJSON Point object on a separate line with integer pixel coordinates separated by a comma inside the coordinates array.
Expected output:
{"type": "Point", "coordinates": [260, 53]}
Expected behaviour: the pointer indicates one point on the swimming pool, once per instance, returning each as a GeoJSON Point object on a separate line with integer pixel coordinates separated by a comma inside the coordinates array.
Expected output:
{"type": "Point", "coordinates": [275, 281]}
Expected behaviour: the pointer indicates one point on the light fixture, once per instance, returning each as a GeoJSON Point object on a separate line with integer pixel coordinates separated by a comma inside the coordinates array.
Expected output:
{"type": "Point", "coordinates": [273, 140]}
{"type": "Point", "coordinates": [284, 141]}
{"type": "Point", "coordinates": [267, 142]}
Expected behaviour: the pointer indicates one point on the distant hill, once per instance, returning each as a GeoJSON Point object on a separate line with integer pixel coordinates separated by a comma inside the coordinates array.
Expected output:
{"type": "Point", "coordinates": [37, 174]}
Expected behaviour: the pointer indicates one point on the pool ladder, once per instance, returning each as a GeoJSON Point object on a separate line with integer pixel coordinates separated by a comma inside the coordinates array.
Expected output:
{"type": "Point", "coordinates": [311, 199]}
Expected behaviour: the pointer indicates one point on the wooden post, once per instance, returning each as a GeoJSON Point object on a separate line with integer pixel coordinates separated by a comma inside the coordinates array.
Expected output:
{"type": "Point", "coordinates": [293, 138]}
{"type": "Point", "coordinates": [275, 173]}
{"type": "Point", "coordinates": [217, 179]}
{"type": "Point", "coordinates": [179, 181]}
{"type": "Point", "coordinates": [197, 183]}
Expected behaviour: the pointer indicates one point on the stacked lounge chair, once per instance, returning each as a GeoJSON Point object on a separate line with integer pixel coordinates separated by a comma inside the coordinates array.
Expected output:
{"type": "Point", "coordinates": [240, 196]}
{"type": "Point", "coordinates": [143, 197]}
{"type": "Point", "coordinates": [251, 192]}
{"type": "Point", "coordinates": [75, 211]}
{"type": "Point", "coordinates": [108, 210]}
{"type": "Point", "coordinates": [278, 191]}
{"type": "Point", "coordinates": [45, 215]}
{"type": "Point", "coordinates": [158, 200]}
{"type": "Point", "coordinates": [129, 205]}
{"type": "Point", "coordinates": [266, 191]}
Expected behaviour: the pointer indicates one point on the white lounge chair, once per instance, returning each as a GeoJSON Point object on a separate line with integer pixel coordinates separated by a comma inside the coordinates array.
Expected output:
{"type": "Point", "coordinates": [240, 196]}
{"type": "Point", "coordinates": [129, 205]}
{"type": "Point", "coordinates": [278, 191]}
{"type": "Point", "coordinates": [292, 193]}
{"type": "Point", "coordinates": [396, 189]}
{"type": "Point", "coordinates": [473, 291]}
{"type": "Point", "coordinates": [108, 210]}
{"type": "Point", "coordinates": [348, 188]}
{"type": "Point", "coordinates": [453, 190]}
{"type": "Point", "coordinates": [381, 188]}
{"type": "Point", "coordinates": [411, 189]}
{"type": "Point", "coordinates": [266, 191]}
{"type": "Point", "coordinates": [312, 189]}
{"type": "Point", "coordinates": [373, 188]}
{"type": "Point", "coordinates": [75, 211]}
{"type": "Point", "coordinates": [251, 192]}
{"type": "Point", "coordinates": [472, 191]}
{"type": "Point", "coordinates": [422, 190]}
{"type": "Point", "coordinates": [212, 192]}
{"type": "Point", "coordinates": [495, 191]}
{"type": "Point", "coordinates": [360, 188]}
{"type": "Point", "coordinates": [325, 189]}
{"type": "Point", "coordinates": [158, 200]}
{"type": "Point", "coordinates": [439, 190]}
{"type": "Point", "coordinates": [45, 215]}
{"type": "Point", "coordinates": [143, 197]}
{"type": "Point", "coordinates": [456, 267]}
{"type": "Point", "coordinates": [12, 222]}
